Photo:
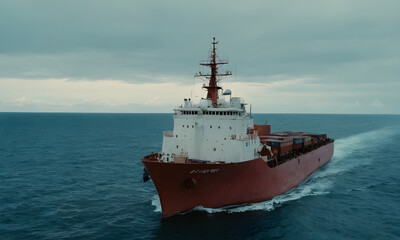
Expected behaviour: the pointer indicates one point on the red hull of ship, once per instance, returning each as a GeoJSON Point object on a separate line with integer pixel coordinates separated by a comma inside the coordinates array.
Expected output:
{"type": "Point", "coordinates": [183, 186]}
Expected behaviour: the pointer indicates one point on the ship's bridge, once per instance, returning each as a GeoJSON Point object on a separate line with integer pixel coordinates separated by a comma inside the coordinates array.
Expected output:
{"type": "Point", "coordinates": [236, 107]}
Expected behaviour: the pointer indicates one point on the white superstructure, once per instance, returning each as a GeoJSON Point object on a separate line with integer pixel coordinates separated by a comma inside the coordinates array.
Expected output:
{"type": "Point", "coordinates": [202, 132]}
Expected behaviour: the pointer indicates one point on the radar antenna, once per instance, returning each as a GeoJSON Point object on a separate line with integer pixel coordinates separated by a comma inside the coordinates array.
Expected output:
{"type": "Point", "coordinates": [212, 88]}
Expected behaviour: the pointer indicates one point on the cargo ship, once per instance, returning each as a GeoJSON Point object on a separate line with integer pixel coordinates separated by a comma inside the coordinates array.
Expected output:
{"type": "Point", "coordinates": [216, 156]}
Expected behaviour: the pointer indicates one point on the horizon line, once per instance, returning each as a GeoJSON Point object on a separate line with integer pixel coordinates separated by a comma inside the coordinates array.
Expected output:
{"type": "Point", "coordinates": [172, 113]}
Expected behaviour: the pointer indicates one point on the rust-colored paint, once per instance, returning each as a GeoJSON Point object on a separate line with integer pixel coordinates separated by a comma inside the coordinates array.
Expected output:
{"type": "Point", "coordinates": [263, 130]}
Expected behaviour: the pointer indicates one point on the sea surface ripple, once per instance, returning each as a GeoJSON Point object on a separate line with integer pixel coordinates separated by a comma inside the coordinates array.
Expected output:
{"type": "Point", "coordinates": [79, 176]}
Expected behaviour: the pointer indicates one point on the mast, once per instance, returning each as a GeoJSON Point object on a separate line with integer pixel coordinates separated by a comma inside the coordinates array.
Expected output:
{"type": "Point", "coordinates": [212, 88]}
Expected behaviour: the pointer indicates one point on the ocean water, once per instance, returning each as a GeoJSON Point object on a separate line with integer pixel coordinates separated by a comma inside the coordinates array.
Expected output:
{"type": "Point", "coordinates": [79, 176]}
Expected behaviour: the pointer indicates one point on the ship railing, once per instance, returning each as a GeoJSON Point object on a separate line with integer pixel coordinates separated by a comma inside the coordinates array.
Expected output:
{"type": "Point", "coordinates": [278, 160]}
{"type": "Point", "coordinates": [168, 133]}
{"type": "Point", "coordinates": [251, 136]}
{"type": "Point", "coordinates": [153, 157]}
{"type": "Point", "coordinates": [236, 137]}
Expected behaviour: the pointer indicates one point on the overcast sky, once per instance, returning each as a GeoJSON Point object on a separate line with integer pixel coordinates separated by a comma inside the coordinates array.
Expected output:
{"type": "Point", "coordinates": [140, 56]}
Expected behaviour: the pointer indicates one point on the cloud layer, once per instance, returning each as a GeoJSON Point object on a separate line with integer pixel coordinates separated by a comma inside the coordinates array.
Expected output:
{"type": "Point", "coordinates": [347, 51]}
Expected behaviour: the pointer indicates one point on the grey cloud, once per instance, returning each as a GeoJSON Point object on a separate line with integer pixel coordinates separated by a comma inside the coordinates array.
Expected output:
{"type": "Point", "coordinates": [352, 40]}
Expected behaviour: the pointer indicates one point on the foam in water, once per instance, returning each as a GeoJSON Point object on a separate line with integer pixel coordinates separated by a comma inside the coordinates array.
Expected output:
{"type": "Point", "coordinates": [354, 151]}
{"type": "Point", "coordinates": [303, 190]}
{"type": "Point", "coordinates": [155, 201]}
{"type": "Point", "coordinates": [321, 181]}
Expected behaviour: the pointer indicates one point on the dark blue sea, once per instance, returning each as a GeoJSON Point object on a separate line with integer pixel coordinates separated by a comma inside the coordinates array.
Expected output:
{"type": "Point", "coordinates": [79, 176]}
